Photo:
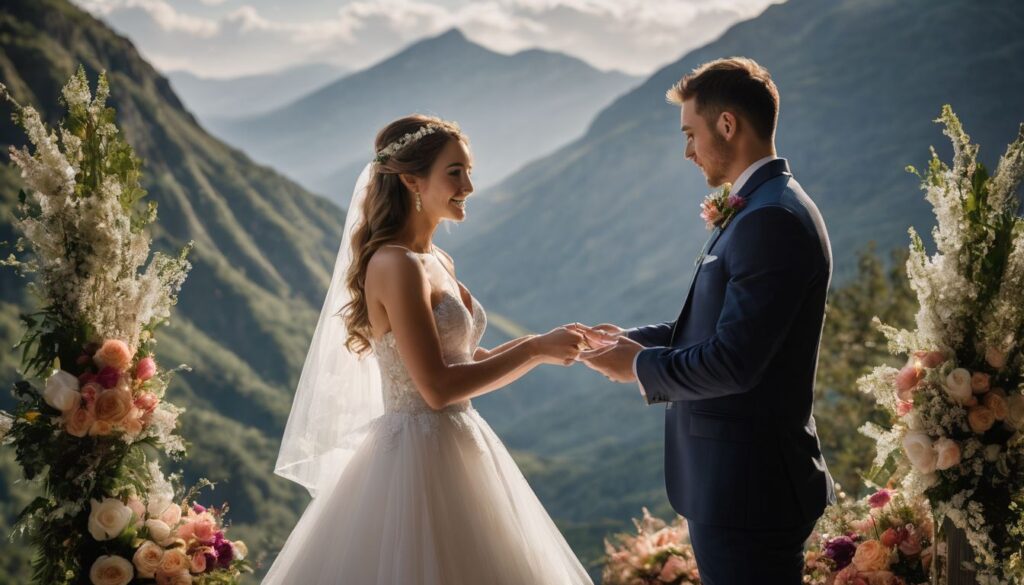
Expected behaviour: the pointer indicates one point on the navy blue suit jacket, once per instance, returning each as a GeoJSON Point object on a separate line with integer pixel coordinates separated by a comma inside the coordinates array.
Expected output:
{"type": "Point", "coordinates": [737, 367]}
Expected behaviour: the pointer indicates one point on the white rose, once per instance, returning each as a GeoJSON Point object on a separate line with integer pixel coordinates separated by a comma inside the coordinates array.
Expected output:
{"type": "Point", "coordinates": [61, 391]}
{"type": "Point", "coordinates": [111, 570]}
{"type": "Point", "coordinates": [920, 451]}
{"type": "Point", "coordinates": [947, 453]}
{"type": "Point", "coordinates": [958, 385]}
{"type": "Point", "coordinates": [147, 559]}
{"type": "Point", "coordinates": [171, 515]}
{"type": "Point", "coordinates": [6, 422]}
{"type": "Point", "coordinates": [1015, 410]}
{"type": "Point", "coordinates": [157, 505]}
{"type": "Point", "coordinates": [991, 453]}
{"type": "Point", "coordinates": [158, 530]}
{"type": "Point", "coordinates": [240, 548]}
{"type": "Point", "coordinates": [108, 518]}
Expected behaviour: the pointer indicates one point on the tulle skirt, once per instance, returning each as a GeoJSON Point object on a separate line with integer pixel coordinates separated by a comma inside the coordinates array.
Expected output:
{"type": "Point", "coordinates": [429, 498]}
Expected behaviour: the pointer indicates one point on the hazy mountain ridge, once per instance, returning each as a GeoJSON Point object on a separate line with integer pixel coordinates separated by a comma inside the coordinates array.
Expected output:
{"type": "Point", "coordinates": [513, 107]}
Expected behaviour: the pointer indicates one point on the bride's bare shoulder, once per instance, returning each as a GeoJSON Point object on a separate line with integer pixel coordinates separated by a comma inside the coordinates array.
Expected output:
{"type": "Point", "coordinates": [394, 268]}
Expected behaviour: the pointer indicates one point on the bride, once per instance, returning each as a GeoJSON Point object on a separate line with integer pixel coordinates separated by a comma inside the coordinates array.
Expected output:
{"type": "Point", "coordinates": [409, 484]}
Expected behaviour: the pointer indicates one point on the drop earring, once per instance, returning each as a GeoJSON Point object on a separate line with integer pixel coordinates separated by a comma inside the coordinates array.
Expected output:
{"type": "Point", "coordinates": [419, 204]}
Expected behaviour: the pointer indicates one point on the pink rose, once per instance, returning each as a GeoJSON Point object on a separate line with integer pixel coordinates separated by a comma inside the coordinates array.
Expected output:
{"type": "Point", "coordinates": [146, 401]}
{"type": "Point", "coordinates": [675, 567]}
{"type": "Point", "coordinates": [90, 391]}
{"type": "Point", "coordinates": [114, 353]}
{"type": "Point", "coordinates": [871, 556]}
{"type": "Point", "coordinates": [907, 380]}
{"type": "Point", "coordinates": [199, 562]}
{"type": "Point", "coordinates": [710, 214]}
{"type": "Point", "coordinates": [948, 453]}
{"type": "Point", "coordinates": [903, 407]}
{"type": "Point", "coordinates": [139, 509]}
{"type": "Point", "coordinates": [996, 402]}
{"type": "Point", "coordinates": [205, 527]}
{"type": "Point", "coordinates": [980, 418]}
{"type": "Point", "coordinates": [889, 538]}
{"type": "Point", "coordinates": [911, 545]}
{"type": "Point", "coordinates": [849, 576]}
{"type": "Point", "coordinates": [145, 369]}
{"type": "Point", "coordinates": [979, 382]}
{"type": "Point", "coordinates": [880, 498]}
{"type": "Point", "coordinates": [930, 359]}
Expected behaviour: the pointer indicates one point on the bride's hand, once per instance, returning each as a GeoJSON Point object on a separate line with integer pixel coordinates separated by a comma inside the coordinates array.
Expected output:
{"type": "Point", "coordinates": [601, 335]}
{"type": "Point", "coordinates": [560, 346]}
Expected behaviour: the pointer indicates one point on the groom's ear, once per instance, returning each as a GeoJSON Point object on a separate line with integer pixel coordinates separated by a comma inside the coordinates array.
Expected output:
{"type": "Point", "coordinates": [726, 124]}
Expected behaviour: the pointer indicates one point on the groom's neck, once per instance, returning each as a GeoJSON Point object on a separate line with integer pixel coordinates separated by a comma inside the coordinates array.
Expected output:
{"type": "Point", "coordinates": [748, 155]}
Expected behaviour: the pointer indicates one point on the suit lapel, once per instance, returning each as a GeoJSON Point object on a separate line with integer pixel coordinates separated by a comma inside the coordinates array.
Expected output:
{"type": "Point", "coordinates": [769, 170]}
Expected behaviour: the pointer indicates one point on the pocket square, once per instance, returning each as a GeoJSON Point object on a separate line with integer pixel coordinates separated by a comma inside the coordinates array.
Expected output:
{"type": "Point", "coordinates": [709, 259]}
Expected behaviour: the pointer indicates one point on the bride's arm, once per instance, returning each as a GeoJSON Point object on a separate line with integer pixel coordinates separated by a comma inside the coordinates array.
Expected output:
{"type": "Point", "coordinates": [405, 294]}
{"type": "Point", "coordinates": [481, 353]}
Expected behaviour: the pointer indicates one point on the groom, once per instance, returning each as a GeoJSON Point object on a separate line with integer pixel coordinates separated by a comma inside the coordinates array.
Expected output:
{"type": "Point", "coordinates": [742, 459]}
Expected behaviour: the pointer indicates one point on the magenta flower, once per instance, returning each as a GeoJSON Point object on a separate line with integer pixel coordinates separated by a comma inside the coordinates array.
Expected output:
{"type": "Point", "coordinates": [108, 377]}
{"type": "Point", "coordinates": [840, 549]}
{"type": "Point", "coordinates": [145, 369]}
{"type": "Point", "coordinates": [880, 498]}
{"type": "Point", "coordinates": [736, 202]}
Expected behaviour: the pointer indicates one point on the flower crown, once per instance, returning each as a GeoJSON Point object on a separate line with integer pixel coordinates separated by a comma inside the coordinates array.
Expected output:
{"type": "Point", "coordinates": [391, 149]}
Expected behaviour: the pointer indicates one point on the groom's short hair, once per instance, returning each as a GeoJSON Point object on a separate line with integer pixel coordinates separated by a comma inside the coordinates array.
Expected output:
{"type": "Point", "coordinates": [737, 84]}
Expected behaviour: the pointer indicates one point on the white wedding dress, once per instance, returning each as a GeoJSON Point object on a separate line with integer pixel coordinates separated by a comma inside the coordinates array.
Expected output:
{"type": "Point", "coordinates": [430, 497]}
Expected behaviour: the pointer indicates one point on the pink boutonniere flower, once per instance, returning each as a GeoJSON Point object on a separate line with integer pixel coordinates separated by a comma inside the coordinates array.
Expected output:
{"type": "Point", "coordinates": [718, 208]}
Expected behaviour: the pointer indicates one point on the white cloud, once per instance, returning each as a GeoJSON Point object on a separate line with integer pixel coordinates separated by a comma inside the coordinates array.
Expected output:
{"type": "Point", "coordinates": [631, 35]}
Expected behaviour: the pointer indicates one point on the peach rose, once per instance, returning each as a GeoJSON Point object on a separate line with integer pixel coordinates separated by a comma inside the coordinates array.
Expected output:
{"type": "Point", "coordinates": [113, 404]}
{"type": "Point", "coordinates": [179, 578]}
{"type": "Point", "coordinates": [171, 515]}
{"type": "Point", "coordinates": [995, 358]}
{"type": "Point", "coordinates": [132, 422]}
{"type": "Point", "coordinates": [147, 559]}
{"type": "Point", "coordinates": [107, 519]}
{"type": "Point", "coordinates": [79, 423]}
{"type": "Point", "coordinates": [871, 555]}
{"type": "Point", "coordinates": [114, 353]}
{"type": "Point", "coordinates": [204, 527]}
{"type": "Point", "coordinates": [1015, 410]}
{"type": "Point", "coordinates": [980, 382]}
{"type": "Point", "coordinates": [174, 561]}
{"type": "Point", "coordinates": [111, 570]}
{"type": "Point", "coordinates": [997, 404]}
{"type": "Point", "coordinates": [948, 453]}
{"type": "Point", "coordinates": [980, 418]}
{"type": "Point", "coordinates": [958, 385]}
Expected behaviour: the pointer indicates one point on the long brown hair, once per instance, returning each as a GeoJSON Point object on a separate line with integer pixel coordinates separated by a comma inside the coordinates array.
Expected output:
{"type": "Point", "coordinates": [386, 208]}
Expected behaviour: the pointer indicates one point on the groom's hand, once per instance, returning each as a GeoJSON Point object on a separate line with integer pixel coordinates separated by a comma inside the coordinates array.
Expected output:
{"type": "Point", "coordinates": [615, 362]}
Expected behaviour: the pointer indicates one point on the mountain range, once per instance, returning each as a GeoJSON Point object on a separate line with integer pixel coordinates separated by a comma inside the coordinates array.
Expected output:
{"type": "Point", "coordinates": [513, 107]}
{"type": "Point", "coordinates": [210, 98]}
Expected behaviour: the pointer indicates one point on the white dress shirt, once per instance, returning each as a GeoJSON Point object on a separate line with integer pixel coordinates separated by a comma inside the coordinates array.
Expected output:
{"type": "Point", "coordinates": [736, 186]}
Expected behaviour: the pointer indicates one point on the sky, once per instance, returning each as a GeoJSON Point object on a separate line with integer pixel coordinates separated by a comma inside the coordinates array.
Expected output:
{"type": "Point", "coordinates": [229, 38]}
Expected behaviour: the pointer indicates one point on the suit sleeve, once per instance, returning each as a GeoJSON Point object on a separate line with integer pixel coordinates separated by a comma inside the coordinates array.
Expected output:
{"type": "Point", "coordinates": [772, 258]}
{"type": "Point", "coordinates": [652, 335]}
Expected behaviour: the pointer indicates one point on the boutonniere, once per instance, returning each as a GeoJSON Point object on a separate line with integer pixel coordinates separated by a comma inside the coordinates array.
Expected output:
{"type": "Point", "coordinates": [719, 207]}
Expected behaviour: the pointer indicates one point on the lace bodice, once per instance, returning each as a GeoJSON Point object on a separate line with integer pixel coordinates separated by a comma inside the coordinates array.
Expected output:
{"type": "Point", "coordinates": [460, 334]}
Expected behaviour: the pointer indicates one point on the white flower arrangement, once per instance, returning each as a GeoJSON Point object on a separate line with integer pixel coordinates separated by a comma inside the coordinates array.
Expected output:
{"type": "Point", "coordinates": [957, 432]}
